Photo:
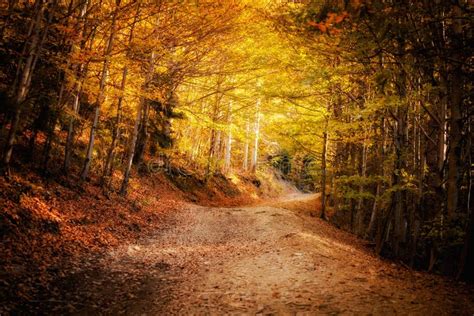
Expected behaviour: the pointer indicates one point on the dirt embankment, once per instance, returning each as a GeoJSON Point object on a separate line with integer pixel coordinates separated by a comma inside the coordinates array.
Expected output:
{"type": "Point", "coordinates": [50, 227]}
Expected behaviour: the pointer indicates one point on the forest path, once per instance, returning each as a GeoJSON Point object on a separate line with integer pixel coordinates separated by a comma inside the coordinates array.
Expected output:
{"type": "Point", "coordinates": [266, 259]}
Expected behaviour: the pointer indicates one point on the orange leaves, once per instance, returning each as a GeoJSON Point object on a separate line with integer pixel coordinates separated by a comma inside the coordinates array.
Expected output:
{"type": "Point", "coordinates": [356, 3]}
{"type": "Point", "coordinates": [65, 29]}
{"type": "Point", "coordinates": [334, 18]}
{"type": "Point", "coordinates": [329, 25]}
{"type": "Point", "coordinates": [39, 209]}
{"type": "Point", "coordinates": [321, 26]}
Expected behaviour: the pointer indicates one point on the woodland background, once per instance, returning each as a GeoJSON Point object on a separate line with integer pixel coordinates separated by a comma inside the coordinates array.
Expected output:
{"type": "Point", "coordinates": [368, 102]}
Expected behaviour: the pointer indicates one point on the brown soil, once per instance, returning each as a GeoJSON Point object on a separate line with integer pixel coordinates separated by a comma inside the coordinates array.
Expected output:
{"type": "Point", "coordinates": [50, 227]}
{"type": "Point", "coordinates": [272, 258]}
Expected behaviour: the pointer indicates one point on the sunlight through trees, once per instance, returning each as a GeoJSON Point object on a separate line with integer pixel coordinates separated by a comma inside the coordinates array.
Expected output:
{"type": "Point", "coordinates": [367, 102]}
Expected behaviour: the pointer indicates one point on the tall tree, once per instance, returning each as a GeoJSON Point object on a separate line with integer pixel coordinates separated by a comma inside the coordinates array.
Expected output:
{"type": "Point", "coordinates": [101, 94]}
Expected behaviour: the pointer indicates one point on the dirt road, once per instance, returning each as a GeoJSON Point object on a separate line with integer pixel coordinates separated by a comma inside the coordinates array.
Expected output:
{"type": "Point", "coordinates": [267, 259]}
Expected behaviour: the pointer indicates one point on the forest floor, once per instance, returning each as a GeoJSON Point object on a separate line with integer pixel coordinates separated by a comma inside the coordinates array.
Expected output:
{"type": "Point", "coordinates": [270, 258]}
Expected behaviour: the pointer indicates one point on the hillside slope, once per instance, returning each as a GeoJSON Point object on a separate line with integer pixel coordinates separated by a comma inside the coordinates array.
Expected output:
{"type": "Point", "coordinates": [48, 227]}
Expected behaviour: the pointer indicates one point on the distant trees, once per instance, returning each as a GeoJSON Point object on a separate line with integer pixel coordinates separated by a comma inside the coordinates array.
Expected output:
{"type": "Point", "coordinates": [373, 96]}
{"type": "Point", "coordinates": [401, 126]}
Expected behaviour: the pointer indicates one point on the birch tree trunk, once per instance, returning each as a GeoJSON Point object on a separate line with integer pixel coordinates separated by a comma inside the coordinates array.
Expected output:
{"type": "Point", "coordinates": [196, 144]}
{"type": "Point", "coordinates": [131, 151]}
{"type": "Point", "coordinates": [116, 133]}
{"type": "Point", "coordinates": [100, 96]}
{"type": "Point", "coordinates": [245, 163]}
{"type": "Point", "coordinates": [210, 155]}
{"type": "Point", "coordinates": [132, 146]}
{"type": "Point", "coordinates": [218, 149]}
{"type": "Point", "coordinates": [254, 162]}
{"type": "Point", "coordinates": [228, 148]}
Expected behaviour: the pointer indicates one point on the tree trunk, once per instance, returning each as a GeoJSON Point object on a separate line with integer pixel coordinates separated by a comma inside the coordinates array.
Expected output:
{"type": "Point", "coordinates": [400, 140]}
{"type": "Point", "coordinates": [32, 142]}
{"type": "Point", "coordinates": [143, 134]}
{"type": "Point", "coordinates": [455, 97]}
{"type": "Point", "coordinates": [116, 131]}
{"type": "Point", "coordinates": [26, 73]}
{"type": "Point", "coordinates": [196, 144]}
{"type": "Point", "coordinates": [254, 162]}
{"type": "Point", "coordinates": [467, 255]}
{"type": "Point", "coordinates": [455, 142]}
{"type": "Point", "coordinates": [442, 137]}
{"type": "Point", "coordinates": [70, 133]}
{"type": "Point", "coordinates": [397, 183]}
{"type": "Point", "coordinates": [360, 210]}
{"type": "Point", "coordinates": [81, 71]}
{"type": "Point", "coordinates": [353, 169]}
{"type": "Point", "coordinates": [131, 151]}
{"type": "Point", "coordinates": [108, 168]}
{"type": "Point", "coordinates": [228, 148]}
{"type": "Point", "coordinates": [374, 214]}
{"type": "Point", "coordinates": [48, 144]}
{"type": "Point", "coordinates": [378, 189]}
{"type": "Point", "coordinates": [210, 155]}
{"type": "Point", "coordinates": [217, 149]}
{"type": "Point", "coordinates": [324, 172]}
{"type": "Point", "coordinates": [26, 51]}
{"type": "Point", "coordinates": [133, 143]}
{"type": "Point", "coordinates": [101, 95]}
{"type": "Point", "coordinates": [245, 163]}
